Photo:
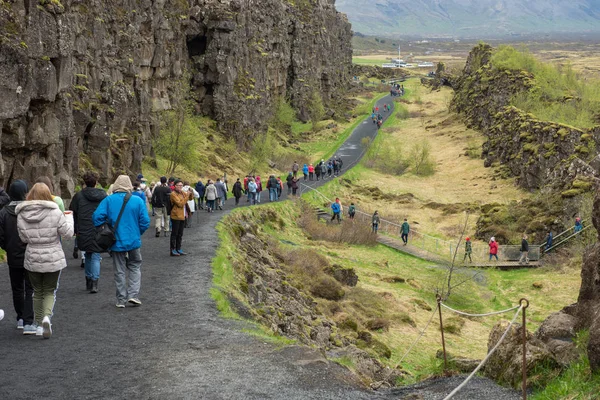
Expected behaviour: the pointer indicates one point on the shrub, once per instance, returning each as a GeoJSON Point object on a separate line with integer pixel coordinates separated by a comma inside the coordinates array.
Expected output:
{"type": "Point", "coordinates": [454, 325]}
{"type": "Point", "coordinates": [421, 159]}
{"type": "Point", "coordinates": [327, 288]}
{"type": "Point", "coordinates": [377, 324]}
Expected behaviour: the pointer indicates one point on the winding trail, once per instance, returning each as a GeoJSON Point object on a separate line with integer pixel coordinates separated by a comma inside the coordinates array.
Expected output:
{"type": "Point", "coordinates": [175, 346]}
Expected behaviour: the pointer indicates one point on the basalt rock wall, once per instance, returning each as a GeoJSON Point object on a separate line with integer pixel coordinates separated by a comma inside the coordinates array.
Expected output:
{"type": "Point", "coordinates": [538, 153]}
{"type": "Point", "coordinates": [81, 81]}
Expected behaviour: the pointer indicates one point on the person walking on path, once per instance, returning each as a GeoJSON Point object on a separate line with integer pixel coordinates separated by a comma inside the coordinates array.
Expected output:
{"type": "Point", "coordinates": [179, 202]}
{"type": "Point", "coordinates": [524, 250]}
{"type": "Point", "coordinates": [211, 196]}
{"type": "Point", "coordinates": [578, 225]}
{"type": "Point", "coordinates": [125, 252]}
{"type": "Point", "coordinates": [295, 168]}
{"type": "Point", "coordinates": [221, 193]}
{"type": "Point", "coordinates": [318, 170]}
{"type": "Point", "coordinates": [41, 224]}
{"type": "Point", "coordinates": [83, 205]}
{"type": "Point", "coordinates": [259, 188]}
{"type": "Point", "coordinates": [305, 171]}
{"type": "Point", "coordinates": [191, 204]}
{"type": "Point", "coordinates": [288, 181]}
{"type": "Point", "coordinates": [237, 191]}
{"type": "Point", "coordinates": [548, 241]}
{"type": "Point", "coordinates": [252, 191]}
{"type": "Point", "coordinates": [493, 248]}
{"type": "Point", "coordinates": [335, 208]}
{"type": "Point", "coordinates": [468, 250]}
{"type": "Point", "coordinates": [272, 185]}
{"type": "Point", "coordinates": [200, 189]}
{"type": "Point", "coordinates": [10, 242]}
{"type": "Point", "coordinates": [161, 201]}
{"type": "Point", "coordinates": [375, 221]}
{"type": "Point", "coordinates": [311, 172]}
{"type": "Point", "coordinates": [323, 169]}
{"type": "Point", "coordinates": [351, 210]}
{"type": "Point", "coordinates": [294, 186]}
{"type": "Point", "coordinates": [405, 230]}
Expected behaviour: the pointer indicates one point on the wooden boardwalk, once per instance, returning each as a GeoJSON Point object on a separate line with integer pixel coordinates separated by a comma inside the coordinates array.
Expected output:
{"type": "Point", "coordinates": [417, 252]}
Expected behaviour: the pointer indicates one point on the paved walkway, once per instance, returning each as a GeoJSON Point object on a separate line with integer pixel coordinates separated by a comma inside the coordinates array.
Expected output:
{"type": "Point", "coordinates": [175, 346]}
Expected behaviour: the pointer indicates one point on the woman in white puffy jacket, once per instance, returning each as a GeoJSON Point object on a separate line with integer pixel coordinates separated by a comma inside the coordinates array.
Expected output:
{"type": "Point", "coordinates": [41, 224]}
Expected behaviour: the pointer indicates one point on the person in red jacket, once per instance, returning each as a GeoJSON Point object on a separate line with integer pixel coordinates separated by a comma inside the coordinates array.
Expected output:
{"type": "Point", "coordinates": [493, 248]}
{"type": "Point", "coordinates": [311, 172]}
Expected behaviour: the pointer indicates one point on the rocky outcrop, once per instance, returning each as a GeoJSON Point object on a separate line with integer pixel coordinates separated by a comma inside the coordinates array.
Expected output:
{"type": "Point", "coordinates": [538, 153]}
{"type": "Point", "coordinates": [80, 81]}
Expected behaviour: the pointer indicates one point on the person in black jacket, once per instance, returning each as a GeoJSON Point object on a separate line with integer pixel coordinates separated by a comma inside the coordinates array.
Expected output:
{"type": "Point", "coordinates": [524, 250]}
{"type": "Point", "coordinates": [200, 189]}
{"type": "Point", "coordinates": [15, 252]}
{"type": "Point", "coordinates": [4, 198]}
{"type": "Point", "coordinates": [83, 205]}
{"type": "Point", "coordinates": [237, 190]}
{"type": "Point", "coordinates": [162, 206]}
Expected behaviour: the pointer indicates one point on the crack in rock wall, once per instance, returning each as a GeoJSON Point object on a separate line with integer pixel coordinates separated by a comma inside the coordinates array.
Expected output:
{"type": "Point", "coordinates": [81, 81]}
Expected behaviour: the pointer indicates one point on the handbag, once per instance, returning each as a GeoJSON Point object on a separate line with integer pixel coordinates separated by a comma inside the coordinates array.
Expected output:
{"type": "Point", "coordinates": [106, 234]}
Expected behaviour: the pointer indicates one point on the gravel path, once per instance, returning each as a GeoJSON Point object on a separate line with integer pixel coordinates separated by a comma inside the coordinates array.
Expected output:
{"type": "Point", "coordinates": [175, 346]}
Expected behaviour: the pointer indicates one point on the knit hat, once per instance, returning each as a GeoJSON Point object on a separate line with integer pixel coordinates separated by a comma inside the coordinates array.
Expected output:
{"type": "Point", "coordinates": [122, 184]}
{"type": "Point", "coordinates": [467, 238]}
{"type": "Point", "coordinates": [17, 190]}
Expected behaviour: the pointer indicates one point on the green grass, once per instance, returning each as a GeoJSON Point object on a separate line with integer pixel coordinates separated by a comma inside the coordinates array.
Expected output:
{"type": "Point", "coordinates": [223, 275]}
{"type": "Point", "coordinates": [559, 94]}
{"type": "Point", "coordinates": [368, 61]}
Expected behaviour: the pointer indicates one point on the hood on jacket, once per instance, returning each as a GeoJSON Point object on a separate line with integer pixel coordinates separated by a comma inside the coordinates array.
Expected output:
{"type": "Point", "coordinates": [35, 210]}
{"type": "Point", "coordinates": [122, 184]}
{"type": "Point", "coordinates": [18, 190]}
{"type": "Point", "coordinates": [93, 194]}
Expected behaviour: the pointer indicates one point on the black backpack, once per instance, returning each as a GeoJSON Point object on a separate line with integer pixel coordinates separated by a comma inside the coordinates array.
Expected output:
{"type": "Point", "coordinates": [106, 234]}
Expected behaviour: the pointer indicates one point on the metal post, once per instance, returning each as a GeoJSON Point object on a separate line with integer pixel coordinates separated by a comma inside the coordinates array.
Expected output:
{"type": "Point", "coordinates": [524, 368]}
{"type": "Point", "coordinates": [439, 301]}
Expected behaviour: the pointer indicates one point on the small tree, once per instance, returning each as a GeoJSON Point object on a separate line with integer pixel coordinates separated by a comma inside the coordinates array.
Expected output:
{"type": "Point", "coordinates": [264, 146]}
{"type": "Point", "coordinates": [179, 135]}
{"type": "Point", "coordinates": [316, 110]}
{"type": "Point", "coordinates": [420, 158]}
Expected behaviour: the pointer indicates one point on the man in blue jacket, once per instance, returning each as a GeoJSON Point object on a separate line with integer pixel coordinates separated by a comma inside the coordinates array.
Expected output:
{"type": "Point", "coordinates": [336, 209]}
{"type": "Point", "coordinates": [126, 253]}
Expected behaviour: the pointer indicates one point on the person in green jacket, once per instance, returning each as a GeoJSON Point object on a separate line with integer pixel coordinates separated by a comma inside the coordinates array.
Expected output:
{"type": "Point", "coordinates": [405, 229]}
{"type": "Point", "coordinates": [351, 210]}
{"type": "Point", "coordinates": [468, 249]}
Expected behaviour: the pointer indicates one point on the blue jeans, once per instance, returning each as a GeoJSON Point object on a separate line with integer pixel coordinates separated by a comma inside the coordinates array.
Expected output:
{"type": "Point", "coordinates": [127, 290]}
{"type": "Point", "coordinates": [258, 197]}
{"type": "Point", "coordinates": [252, 197]}
{"type": "Point", "coordinates": [92, 265]}
{"type": "Point", "coordinates": [493, 255]}
{"type": "Point", "coordinates": [273, 194]}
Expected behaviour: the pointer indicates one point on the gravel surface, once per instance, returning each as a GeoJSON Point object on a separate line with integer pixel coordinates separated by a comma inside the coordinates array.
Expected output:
{"type": "Point", "coordinates": [175, 346]}
{"type": "Point", "coordinates": [438, 388]}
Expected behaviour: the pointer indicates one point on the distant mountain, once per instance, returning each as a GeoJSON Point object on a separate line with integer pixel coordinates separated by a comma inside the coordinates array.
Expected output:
{"type": "Point", "coordinates": [472, 18]}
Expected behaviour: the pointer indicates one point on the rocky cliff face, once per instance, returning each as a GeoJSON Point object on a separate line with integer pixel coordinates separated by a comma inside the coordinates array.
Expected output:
{"type": "Point", "coordinates": [538, 153]}
{"type": "Point", "coordinates": [81, 81]}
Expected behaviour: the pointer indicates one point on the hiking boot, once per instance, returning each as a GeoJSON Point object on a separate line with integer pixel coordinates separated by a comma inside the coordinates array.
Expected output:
{"type": "Point", "coordinates": [29, 329]}
{"type": "Point", "coordinates": [88, 283]}
{"type": "Point", "coordinates": [134, 301]}
{"type": "Point", "coordinates": [19, 323]}
{"type": "Point", "coordinates": [174, 253]}
{"type": "Point", "coordinates": [120, 304]}
{"type": "Point", "coordinates": [46, 328]}
{"type": "Point", "coordinates": [94, 288]}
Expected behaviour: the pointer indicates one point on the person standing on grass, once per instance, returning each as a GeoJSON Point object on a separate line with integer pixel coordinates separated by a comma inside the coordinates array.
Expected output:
{"type": "Point", "coordinates": [405, 230]}
{"type": "Point", "coordinates": [83, 206]}
{"type": "Point", "coordinates": [41, 224]}
{"type": "Point", "coordinates": [524, 250]}
{"type": "Point", "coordinates": [335, 208]}
{"type": "Point", "coordinates": [351, 210]}
{"type": "Point", "coordinates": [237, 191]}
{"type": "Point", "coordinates": [375, 221]}
{"type": "Point", "coordinates": [305, 171]}
{"type": "Point", "coordinates": [295, 168]}
{"type": "Point", "coordinates": [162, 206]}
{"type": "Point", "coordinates": [468, 249]}
{"type": "Point", "coordinates": [578, 225]}
{"type": "Point", "coordinates": [10, 242]}
{"type": "Point", "coordinates": [179, 212]}
{"type": "Point", "coordinates": [125, 253]}
{"type": "Point", "coordinates": [493, 248]}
